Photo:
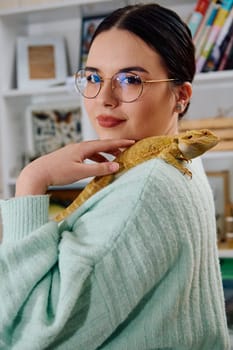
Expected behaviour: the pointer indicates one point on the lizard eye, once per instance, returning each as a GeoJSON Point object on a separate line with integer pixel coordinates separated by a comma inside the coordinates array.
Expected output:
{"type": "Point", "coordinates": [190, 137]}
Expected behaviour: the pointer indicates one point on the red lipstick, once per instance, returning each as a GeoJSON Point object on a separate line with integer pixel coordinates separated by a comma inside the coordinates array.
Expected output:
{"type": "Point", "coordinates": [108, 121]}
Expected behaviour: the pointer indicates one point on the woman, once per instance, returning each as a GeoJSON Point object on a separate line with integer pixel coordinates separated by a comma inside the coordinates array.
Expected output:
{"type": "Point", "coordinates": [136, 266]}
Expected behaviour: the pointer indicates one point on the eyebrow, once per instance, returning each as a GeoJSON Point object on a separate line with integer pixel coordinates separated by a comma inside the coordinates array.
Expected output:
{"type": "Point", "coordinates": [122, 70]}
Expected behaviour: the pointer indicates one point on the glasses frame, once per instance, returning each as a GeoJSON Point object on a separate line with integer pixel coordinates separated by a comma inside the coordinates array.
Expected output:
{"type": "Point", "coordinates": [102, 81]}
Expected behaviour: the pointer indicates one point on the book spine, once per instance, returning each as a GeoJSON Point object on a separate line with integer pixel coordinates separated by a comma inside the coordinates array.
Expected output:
{"type": "Point", "coordinates": [200, 39]}
{"type": "Point", "coordinates": [197, 15]}
{"type": "Point", "coordinates": [229, 63]}
{"type": "Point", "coordinates": [228, 53]}
{"type": "Point", "coordinates": [197, 35]}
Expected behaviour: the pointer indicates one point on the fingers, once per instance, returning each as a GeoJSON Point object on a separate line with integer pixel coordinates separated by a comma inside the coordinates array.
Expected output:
{"type": "Point", "coordinates": [97, 169]}
{"type": "Point", "coordinates": [67, 165]}
{"type": "Point", "coordinates": [93, 147]}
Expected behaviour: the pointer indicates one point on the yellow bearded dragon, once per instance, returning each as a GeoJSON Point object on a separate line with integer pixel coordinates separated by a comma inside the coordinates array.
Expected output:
{"type": "Point", "coordinates": [173, 149]}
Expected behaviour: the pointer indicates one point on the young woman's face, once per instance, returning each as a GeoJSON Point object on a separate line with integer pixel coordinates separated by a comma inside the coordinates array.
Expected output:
{"type": "Point", "coordinates": [153, 113]}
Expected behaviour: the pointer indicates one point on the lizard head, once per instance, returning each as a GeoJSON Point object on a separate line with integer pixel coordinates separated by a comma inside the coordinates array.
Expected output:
{"type": "Point", "coordinates": [193, 143]}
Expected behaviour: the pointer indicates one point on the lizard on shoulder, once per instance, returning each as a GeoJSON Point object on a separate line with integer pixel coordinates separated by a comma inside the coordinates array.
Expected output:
{"type": "Point", "coordinates": [173, 149]}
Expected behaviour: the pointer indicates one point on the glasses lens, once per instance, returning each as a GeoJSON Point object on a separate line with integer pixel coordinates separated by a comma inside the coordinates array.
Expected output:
{"type": "Point", "coordinates": [88, 83]}
{"type": "Point", "coordinates": [127, 86]}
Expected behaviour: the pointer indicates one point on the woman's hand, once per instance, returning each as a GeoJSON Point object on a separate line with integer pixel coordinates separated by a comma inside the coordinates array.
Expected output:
{"type": "Point", "coordinates": [65, 165]}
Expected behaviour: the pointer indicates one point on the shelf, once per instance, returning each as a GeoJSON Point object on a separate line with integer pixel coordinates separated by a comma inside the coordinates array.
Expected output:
{"type": "Point", "coordinates": [72, 3]}
{"type": "Point", "coordinates": [225, 249]}
{"type": "Point", "coordinates": [224, 77]}
{"type": "Point", "coordinates": [210, 78]}
{"type": "Point", "coordinates": [14, 93]}
{"type": "Point", "coordinates": [77, 185]}
{"type": "Point", "coordinates": [43, 7]}
{"type": "Point", "coordinates": [225, 253]}
{"type": "Point", "coordinates": [217, 155]}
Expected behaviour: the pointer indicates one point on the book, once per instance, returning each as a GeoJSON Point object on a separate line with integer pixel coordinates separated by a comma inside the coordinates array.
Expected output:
{"type": "Point", "coordinates": [197, 15]}
{"type": "Point", "coordinates": [220, 45]}
{"type": "Point", "coordinates": [205, 27]}
{"type": "Point", "coordinates": [213, 35]}
{"type": "Point", "coordinates": [227, 59]}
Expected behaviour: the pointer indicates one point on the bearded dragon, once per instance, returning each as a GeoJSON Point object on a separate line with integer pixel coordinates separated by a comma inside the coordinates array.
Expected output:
{"type": "Point", "coordinates": [175, 150]}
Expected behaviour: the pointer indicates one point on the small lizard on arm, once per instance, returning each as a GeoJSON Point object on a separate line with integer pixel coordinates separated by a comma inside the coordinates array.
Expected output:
{"type": "Point", "coordinates": [173, 149]}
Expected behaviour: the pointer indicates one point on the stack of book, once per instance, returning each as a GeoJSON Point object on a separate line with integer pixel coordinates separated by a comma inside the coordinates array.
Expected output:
{"type": "Point", "coordinates": [211, 25]}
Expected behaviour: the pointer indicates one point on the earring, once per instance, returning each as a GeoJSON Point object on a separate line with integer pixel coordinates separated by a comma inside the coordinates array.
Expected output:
{"type": "Point", "coordinates": [179, 107]}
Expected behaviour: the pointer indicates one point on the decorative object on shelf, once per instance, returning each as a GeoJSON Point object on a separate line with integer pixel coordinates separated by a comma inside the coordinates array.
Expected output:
{"type": "Point", "coordinates": [89, 25]}
{"type": "Point", "coordinates": [221, 126]}
{"type": "Point", "coordinates": [41, 61]}
{"type": "Point", "coordinates": [50, 127]}
{"type": "Point", "coordinates": [219, 182]}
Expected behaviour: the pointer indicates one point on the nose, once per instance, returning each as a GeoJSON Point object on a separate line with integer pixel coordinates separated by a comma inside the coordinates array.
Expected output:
{"type": "Point", "coordinates": [106, 95]}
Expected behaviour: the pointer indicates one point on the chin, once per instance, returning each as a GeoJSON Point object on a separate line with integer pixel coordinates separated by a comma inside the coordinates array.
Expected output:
{"type": "Point", "coordinates": [111, 135]}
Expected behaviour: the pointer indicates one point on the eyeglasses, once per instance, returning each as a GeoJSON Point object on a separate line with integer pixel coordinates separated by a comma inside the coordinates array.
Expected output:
{"type": "Point", "coordinates": [127, 86]}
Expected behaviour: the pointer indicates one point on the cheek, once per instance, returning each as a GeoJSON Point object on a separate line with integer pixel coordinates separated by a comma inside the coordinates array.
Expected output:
{"type": "Point", "coordinates": [89, 106]}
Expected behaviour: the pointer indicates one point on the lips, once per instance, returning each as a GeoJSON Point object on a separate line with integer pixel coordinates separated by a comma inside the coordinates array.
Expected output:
{"type": "Point", "coordinates": [107, 121]}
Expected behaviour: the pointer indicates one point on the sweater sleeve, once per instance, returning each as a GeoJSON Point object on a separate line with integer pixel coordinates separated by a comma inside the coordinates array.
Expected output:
{"type": "Point", "coordinates": [23, 215]}
{"type": "Point", "coordinates": [72, 286]}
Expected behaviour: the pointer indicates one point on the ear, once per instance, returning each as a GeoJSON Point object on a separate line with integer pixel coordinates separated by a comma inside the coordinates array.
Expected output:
{"type": "Point", "coordinates": [183, 95]}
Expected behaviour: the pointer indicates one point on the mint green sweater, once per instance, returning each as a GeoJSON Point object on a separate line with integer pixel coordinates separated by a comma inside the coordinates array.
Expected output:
{"type": "Point", "coordinates": [135, 268]}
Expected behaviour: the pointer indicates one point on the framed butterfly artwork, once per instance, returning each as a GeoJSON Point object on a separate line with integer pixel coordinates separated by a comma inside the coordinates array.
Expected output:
{"type": "Point", "coordinates": [51, 127]}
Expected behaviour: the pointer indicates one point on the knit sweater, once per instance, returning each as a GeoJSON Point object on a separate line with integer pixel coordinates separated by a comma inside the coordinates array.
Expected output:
{"type": "Point", "coordinates": [134, 268]}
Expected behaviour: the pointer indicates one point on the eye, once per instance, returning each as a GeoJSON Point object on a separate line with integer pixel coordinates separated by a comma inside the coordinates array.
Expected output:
{"type": "Point", "coordinates": [129, 79]}
{"type": "Point", "coordinates": [93, 78]}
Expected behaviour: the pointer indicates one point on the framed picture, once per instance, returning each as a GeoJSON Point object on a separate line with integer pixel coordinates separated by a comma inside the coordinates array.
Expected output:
{"type": "Point", "coordinates": [89, 25]}
{"type": "Point", "coordinates": [41, 61]}
{"type": "Point", "coordinates": [49, 127]}
{"type": "Point", "coordinates": [219, 182]}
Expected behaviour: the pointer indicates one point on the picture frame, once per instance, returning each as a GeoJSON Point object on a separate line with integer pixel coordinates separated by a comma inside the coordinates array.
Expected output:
{"type": "Point", "coordinates": [51, 126]}
{"type": "Point", "coordinates": [89, 25]}
{"type": "Point", "coordinates": [41, 61]}
{"type": "Point", "coordinates": [219, 183]}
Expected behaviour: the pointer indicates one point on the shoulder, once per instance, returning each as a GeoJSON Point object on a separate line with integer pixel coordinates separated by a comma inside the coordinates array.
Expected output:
{"type": "Point", "coordinates": [168, 200]}
{"type": "Point", "coordinates": [158, 177]}
{"type": "Point", "coordinates": [153, 199]}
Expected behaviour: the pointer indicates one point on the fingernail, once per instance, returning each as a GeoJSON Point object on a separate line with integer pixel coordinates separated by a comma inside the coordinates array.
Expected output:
{"type": "Point", "coordinates": [113, 166]}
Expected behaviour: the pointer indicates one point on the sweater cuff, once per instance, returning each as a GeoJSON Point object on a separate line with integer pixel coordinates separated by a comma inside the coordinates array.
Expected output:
{"type": "Point", "coordinates": [22, 215]}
